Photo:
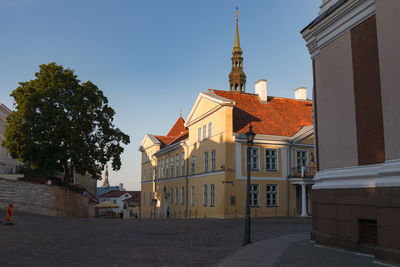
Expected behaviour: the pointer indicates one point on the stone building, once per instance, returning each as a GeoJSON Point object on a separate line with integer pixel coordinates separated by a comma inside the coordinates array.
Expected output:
{"type": "Point", "coordinates": [354, 46]}
{"type": "Point", "coordinates": [198, 170]}
{"type": "Point", "coordinates": [7, 163]}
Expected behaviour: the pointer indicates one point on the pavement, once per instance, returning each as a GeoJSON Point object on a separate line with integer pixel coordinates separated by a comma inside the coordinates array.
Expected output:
{"type": "Point", "coordinates": [50, 241]}
{"type": "Point", "coordinates": [296, 250]}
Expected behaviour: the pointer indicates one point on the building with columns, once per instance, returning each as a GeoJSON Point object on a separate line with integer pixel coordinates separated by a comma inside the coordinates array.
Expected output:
{"type": "Point", "coordinates": [198, 170]}
{"type": "Point", "coordinates": [354, 46]}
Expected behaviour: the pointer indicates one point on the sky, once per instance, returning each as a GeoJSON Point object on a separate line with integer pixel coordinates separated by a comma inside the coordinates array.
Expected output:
{"type": "Point", "coordinates": [152, 58]}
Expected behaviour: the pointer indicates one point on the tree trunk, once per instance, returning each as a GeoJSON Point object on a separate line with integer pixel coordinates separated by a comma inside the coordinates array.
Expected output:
{"type": "Point", "coordinates": [67, 174]}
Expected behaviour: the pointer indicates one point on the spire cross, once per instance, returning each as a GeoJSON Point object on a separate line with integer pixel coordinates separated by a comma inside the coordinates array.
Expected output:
{"type": "Point", "coordinates": [237, 12]}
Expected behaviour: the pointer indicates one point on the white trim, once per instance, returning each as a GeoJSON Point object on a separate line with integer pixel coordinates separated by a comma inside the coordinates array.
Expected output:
{"type": "Point", "coordinates": [211, 97]}
{"type": "Point", "coordinates": [277, 196]}
{"type": "Point", "coordinates": [276, 157]}
{"type": "Point", "coordinates": [378, 175]}
{"type": "Point", "coordinates": [343, 19]}
{"type": "Point", "coordinates": [251, 158]}
{"type": "Point", "coordinates": [168, 149]}
{"type": "Point", "coordinates": [305, 150]}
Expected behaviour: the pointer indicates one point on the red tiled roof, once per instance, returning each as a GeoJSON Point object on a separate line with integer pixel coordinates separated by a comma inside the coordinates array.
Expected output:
{"type": "Point", "coordinates": [177, 133]}
{"type": "Point", "coordinates": [279, 116]}
{"type": "Point", "coordinates": [117, 193]}
{"type": "Point", "coordinates": [164, 139]}
{"type": "Point", "coordinates": [178, 128]}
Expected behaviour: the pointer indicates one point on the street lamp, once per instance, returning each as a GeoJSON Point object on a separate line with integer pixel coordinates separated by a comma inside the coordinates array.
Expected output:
{"type": "Point", "coordinates": [250, 135]}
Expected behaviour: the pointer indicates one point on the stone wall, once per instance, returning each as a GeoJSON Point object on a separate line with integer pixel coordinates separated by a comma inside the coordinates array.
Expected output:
{"type": "Point", "coordinates": [42, 199]}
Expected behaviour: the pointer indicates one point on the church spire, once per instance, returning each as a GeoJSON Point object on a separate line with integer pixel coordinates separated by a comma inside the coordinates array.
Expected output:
{"type": "Point", "coordinates": [237, 78]}
{"type": "Point", "coordinates": [106, 183]}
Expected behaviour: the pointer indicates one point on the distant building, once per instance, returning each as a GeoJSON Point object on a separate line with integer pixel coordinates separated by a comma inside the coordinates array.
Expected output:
{"type": "Point", "coordinates": [120, 198]}
{"type": "Point", "coordinates": [354, 46]}
{"type": "Point", "coordinates": [8, 165]}
{"type": "Point", "coordinates": [198, 170]}
{"type": "Point", "coordinates": [106, 186]}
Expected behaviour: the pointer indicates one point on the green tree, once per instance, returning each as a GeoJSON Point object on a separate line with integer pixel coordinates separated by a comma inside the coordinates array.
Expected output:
{"type": "Point", "coordinates": [61, 124]}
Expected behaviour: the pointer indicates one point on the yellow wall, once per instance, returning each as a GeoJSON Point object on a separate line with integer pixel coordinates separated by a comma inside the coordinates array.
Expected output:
{"type": "Point", "coordinates": [227, 185]}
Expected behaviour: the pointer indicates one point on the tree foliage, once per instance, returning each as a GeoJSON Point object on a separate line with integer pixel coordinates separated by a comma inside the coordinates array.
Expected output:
{"type": "Point", "coordinates": [64, 125]}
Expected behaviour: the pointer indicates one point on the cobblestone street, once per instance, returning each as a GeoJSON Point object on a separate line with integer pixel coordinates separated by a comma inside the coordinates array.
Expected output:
{"type": "Point", "coordinates": [50, 241]}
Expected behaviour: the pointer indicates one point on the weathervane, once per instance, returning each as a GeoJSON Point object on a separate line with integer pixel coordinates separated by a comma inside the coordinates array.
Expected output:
{"type": "Point", "coordinates": [237, 11]}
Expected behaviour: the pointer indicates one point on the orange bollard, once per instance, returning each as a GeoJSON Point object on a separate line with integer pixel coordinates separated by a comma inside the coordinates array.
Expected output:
{"type": "Point", "coordinates": [9, 215]}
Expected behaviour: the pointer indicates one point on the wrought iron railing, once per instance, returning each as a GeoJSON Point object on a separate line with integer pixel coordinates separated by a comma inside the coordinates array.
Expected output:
{"type": "Point", "coordinates": [303, 171]}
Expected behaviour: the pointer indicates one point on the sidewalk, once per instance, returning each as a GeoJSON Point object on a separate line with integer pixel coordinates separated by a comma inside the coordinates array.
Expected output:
{"type": "Point", "coordinates": [296, 250]}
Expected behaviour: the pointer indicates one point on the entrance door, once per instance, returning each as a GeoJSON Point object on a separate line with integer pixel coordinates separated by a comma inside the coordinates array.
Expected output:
{"type": "Point", "coordinates": [298, 199]}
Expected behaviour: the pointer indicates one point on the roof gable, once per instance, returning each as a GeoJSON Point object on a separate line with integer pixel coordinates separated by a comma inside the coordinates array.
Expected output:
{"type": "Point", "coordinates": [148, 141]}
{"type": "Point", "coordinates": [206, 103]}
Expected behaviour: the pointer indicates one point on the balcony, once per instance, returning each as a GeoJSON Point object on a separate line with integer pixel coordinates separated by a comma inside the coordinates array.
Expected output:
{"type": "Point", "coordinates": [303, 172]}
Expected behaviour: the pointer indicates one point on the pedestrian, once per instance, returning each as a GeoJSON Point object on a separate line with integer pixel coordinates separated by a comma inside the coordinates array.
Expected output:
{"type": "Point", "coordinates": [168, 212]}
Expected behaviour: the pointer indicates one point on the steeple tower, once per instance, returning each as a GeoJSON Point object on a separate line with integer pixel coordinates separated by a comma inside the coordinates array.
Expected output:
{"type": "Point", "coordinates": [106, 183]}
{"type": "Point", "coordinates": [237, 78]}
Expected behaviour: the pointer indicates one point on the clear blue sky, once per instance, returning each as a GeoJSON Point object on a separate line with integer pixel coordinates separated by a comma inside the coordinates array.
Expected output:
{"type": "Point", "coordinates": [153, 57]}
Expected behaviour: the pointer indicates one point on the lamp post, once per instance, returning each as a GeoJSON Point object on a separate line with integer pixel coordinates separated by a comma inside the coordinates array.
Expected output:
{"type": "Point", "coordinates": [250, 135]}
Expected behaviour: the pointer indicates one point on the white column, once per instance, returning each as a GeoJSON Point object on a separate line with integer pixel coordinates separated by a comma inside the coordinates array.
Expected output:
{"type": "Point", "coordinates": [303, 201]}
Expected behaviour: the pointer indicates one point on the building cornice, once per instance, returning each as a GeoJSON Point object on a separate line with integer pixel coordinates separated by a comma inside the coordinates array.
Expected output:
{"type": "Point", "coordinates": [345, 17]}
{"type": "Point", "coordinates": [378, 175]}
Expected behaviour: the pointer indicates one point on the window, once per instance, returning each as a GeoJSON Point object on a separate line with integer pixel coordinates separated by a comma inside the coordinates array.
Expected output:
{"type": "Point", "coordinates": [163, 169]}
{"type": "Point", "coordinates": [182, 194]}
{"type": "Point", "coordinates": [159, 169]}
{"type": "Point", "coordinates": [192, 196]}
{"type": "Point", "coordinates": [205, 195]}
{"type": "Point", "coordinates": [199, 134]}
{"type": "Point", "coordinates": [271, 160]}
{"type": "Point", "coordinates": [183, 164]}
{"type": "Point", "coordinates": [204, 132]}
{"type": "Point", "coordinates": [150, 173]}
{"type": "Point", "coordinates": [212, 194]}
{"type": "Point", "coordinates": [213, 160]}
{"type": "Point", "coordinates": [205, 161]}
{"type": "Point", "coordinates": [150, 198]}
{"type": "Point", "coordinates": [209, 129]}
{"type": "Point", "coordinates": [166, 168]}
{"type": "Point", "coordinates": [144, 175]}
{"type": "Point", "coordinates": [272, 195]}
{"type": "Point", "coordinates": [254, 164]}
{"type": "Point", "coordinates": [301, 159]}
{"type": "Point", "coordinates": [172, 166]}
{"type": "Point", "coordinates": [193, 165]}
{"type": "Point", "coordinates": [254, 195]}
{"type": "Point", "coordinates": [176, 165]}
{"type": "Point", "coordinates": [171, 195]}
{"type": "Point", "coordinates": [176, 195]}
{"type": "Point", "coordinates": [114, 201]}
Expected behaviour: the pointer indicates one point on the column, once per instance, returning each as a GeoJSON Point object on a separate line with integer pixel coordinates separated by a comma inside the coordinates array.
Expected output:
{"type": "Point", "coordinates": [303, 201]}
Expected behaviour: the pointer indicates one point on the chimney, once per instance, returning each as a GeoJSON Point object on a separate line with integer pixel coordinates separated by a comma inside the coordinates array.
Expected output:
{"type": "Point", "coordinates": [300, 93]}
{"type": "Point", "coordinates": [261, 90]}
{"type": "Point", "coordinates": [121, 187]}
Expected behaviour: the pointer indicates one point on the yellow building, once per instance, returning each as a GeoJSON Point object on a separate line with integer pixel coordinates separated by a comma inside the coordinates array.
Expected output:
{"type": "Point", "coordinates": [198, 170]}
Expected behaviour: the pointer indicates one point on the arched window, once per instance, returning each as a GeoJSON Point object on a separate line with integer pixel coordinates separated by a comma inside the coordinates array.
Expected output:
{"type": "Point", "coordinates": [236, 63]}
{"type": "Point", "coordinates": [236, 86]}
{"type": "Point", "coordinates": [241, 87]}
